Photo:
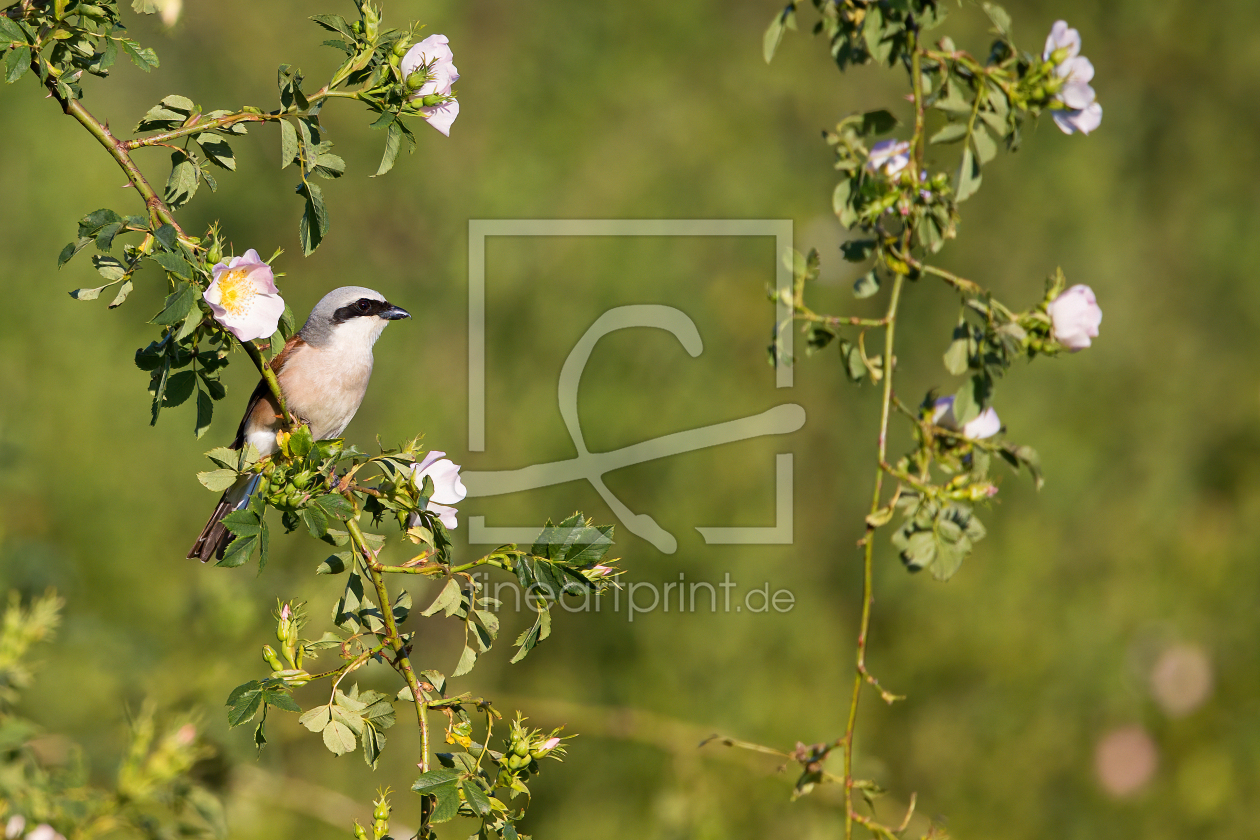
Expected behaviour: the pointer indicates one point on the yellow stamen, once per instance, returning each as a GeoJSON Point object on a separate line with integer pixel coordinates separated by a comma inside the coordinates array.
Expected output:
{"type": "Point", "coordinates": [236, 291]}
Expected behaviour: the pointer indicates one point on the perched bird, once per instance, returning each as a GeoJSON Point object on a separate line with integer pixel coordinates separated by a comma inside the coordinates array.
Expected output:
{"type": "Point", "coordinates": [323, 373]}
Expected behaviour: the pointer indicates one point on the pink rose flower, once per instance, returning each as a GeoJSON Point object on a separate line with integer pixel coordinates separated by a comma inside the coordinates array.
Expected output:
{"type": "Point", "coordinates": [243, 297]}
{"type": "Point", "coordinates": [1075, 316]}
{"type": "Point", "coordinates": [1082, 113]}
{"type": "Point", "coordinates": [433, 57]}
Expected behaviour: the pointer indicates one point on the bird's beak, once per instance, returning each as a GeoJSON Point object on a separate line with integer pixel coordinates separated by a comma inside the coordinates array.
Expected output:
{"type": "Point", "coordinates": [394, 313]}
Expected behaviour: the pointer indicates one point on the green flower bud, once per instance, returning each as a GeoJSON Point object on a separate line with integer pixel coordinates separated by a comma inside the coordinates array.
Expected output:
{"type": "Point", "coordinates": [431, 100]}
{"type": "Point", "coordinates": [417, 79]}
{"type": "Point", "coordinates": [215, 252]}
{"type": "Point", "coordinates": [359, 833]}
{"type": "Point", "coordinates": [269, 655]}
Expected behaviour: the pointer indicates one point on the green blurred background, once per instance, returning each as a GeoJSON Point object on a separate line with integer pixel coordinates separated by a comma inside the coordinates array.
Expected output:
{"type": "Point", "coordinates": [1092, 607]}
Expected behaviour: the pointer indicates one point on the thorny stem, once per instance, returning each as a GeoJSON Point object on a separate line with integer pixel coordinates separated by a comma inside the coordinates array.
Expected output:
{"type": "Point", "coordinates": [862, 675]}
{"type": "Point", "coordinates": [118, 150]}
{"type": "Point", "coordinates": [401, 660]}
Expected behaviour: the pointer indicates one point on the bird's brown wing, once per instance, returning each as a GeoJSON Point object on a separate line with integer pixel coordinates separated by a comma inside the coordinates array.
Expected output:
{"type": "Point", "coordinates": [262, 407]}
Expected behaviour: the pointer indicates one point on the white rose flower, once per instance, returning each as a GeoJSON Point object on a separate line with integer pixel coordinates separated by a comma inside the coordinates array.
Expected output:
{"type": "Point", "coordinates": [1082, 113]}
{"type": "Point", "coordinates": [889, 157]}
{"type": "Point", "coordinates": [1075, 316]}
{"type": "Point", "coordinates": [447, 487]}
{"type": "Point", "coordinates": [434, 54]}
{"type": "Point", "coordinates": [986, 424]}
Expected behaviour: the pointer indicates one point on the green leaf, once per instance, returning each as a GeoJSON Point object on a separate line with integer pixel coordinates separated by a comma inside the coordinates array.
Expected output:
{"type": "Point", "coordinates": [950, 133]}
{"type": "Point", "coordinates": [784, 20]}
{"type": "Point", "coordinates": [146, 59]}
{"type": "Point", "coordinates": [969, 400]}
{"type": "Point", "coordinates": [986, 149]}
{"type": "Point", "coordinates": [335, 564]}
{"type": "Point", "coordinates": [243, 702]}
{"type": "Point", "coordinates": [448, 599]}
{"type": "Point", "coordinates": [205, 411]}
{"type": "Point", "coordinates": [178, 304]}
{"type": "Point", "coordinates": [443, 785]}
{"type": "Point", "coordinates": [393, 142]}
{"type": "Point", "coordinates": [167, 237]}
{"type": "Point", "coordinates": [179, 103]}
{"type": "Point", "coordinates": [173, 263]}
{"type": "Point", "coordinates": [338, 738]}
{"type": "Point", "coordinates": [967, 180]}
{"type": "Point", "coordinates": [280, 698]}
{"type": "Point", "coordinates": [866, 285]}
{"type": "Point", "coordinates": [288, 143]}
{"type": "Point", "coordinates": [335, 505]}
{"type": "Point", "coordinates": [315, 521]}
{"type": "Point", "coordinates": [957, 357]}
{"type": "Point", "coordinates": [476, 797]}
{"type": "Point", "coordinates": [109, 268]}
{"type": "Point", "coordinates": [1001, 20]}
{"type": "Point", "coordinates": [328, 165]}
{"type": "Point", "coordinates": [314, 223]}
{"type": "Point", "coordinates": [181, 186]}
{"type": "Point", "coordinates": [217, 480]}
{"type": "Point", "coordinates": [10, 30]}
{"type": "Point", "coordinates": [877, 122]}
{"type": "Point", "coordinates": [857, 250]}
{"type": "Point", "coordinates": [466, 662]}
{"type": "Point", "coordinates": [16, 63]}
{"type": "Point", "coordinates": [123, 291]}
{"type": "Point", "coordinates": [335, 23]}
{"type": "Point", "coordinates": [218, 150]}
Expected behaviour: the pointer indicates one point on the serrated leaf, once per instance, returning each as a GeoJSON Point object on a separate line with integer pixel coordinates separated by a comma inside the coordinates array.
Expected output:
{"type": "Point", "coordinates": [16, 63]}
{"type": "Point", "coordinates": [314, 223]}
{"type": "Point", "coordinates": [218, 150]}
{"type": "Point", "coordinates": [109, 268]}
{"type": "Point", "coordinates": [448, 599]}
{"type": "Point", "coordinates": [182, 183]}
{"type": "Point", "coordinates": [338, 738]}
{"type": "Point", "coordinates": [334, 23]}
{"type": "Point", "coordinates": [173, 263]}
{"type": "Point", "coordinates": [217, 480]}
{"type": "Point", "coordinates": [288, 143]}
{"type": "Point", "coordinates": [393, 143]}
{"type": "Point", "coordinates": [467, 660]}
{"type": "Point", "coordinates": [178, 304]}
{"type": "Point", "coordinates": [9, 29]}
{"type": "Point", "coordinates": [205, 412]}
{"type": "Point", "coordinates": [476, 797]}
{"type": "Point", "coordinates": [335, 505]}
{"type": "Point", "coordinates": [167, 237]}
{"type": "Point", "coordinates": [144, 58]}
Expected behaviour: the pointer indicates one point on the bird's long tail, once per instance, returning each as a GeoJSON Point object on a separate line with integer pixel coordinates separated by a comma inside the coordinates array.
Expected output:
{"type": "Point", "coordinates": [214, 538]}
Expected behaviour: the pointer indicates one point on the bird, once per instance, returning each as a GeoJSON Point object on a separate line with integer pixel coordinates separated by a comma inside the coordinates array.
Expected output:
{"type": "Point", "coordinates": [323, 371]}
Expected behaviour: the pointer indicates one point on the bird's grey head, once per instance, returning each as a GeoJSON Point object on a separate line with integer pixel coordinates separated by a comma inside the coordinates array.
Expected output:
{"type": "Point", "coordinates": [351, 313]}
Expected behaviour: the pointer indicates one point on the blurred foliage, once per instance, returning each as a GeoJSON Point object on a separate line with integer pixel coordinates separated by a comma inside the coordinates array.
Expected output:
{"type": "Point", "coordinates": [1143, 537]}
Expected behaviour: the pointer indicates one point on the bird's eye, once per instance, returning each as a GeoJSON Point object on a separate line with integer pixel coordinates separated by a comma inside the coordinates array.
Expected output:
{"type": "Point", "coordinates": [363, 305]}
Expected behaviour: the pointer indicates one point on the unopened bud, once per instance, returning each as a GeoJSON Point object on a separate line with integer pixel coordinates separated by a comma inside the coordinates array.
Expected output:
{"type": "Point", "coordinates": [215, 252]}
{"type": "Point", "coordinates": [269, 655]}
{"type": "Point", "coordinates": [359, 833]}
{"type": "Point", "coordinates": [417, 79]}
{"type": "Point", "coordinates": [431, 100]}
